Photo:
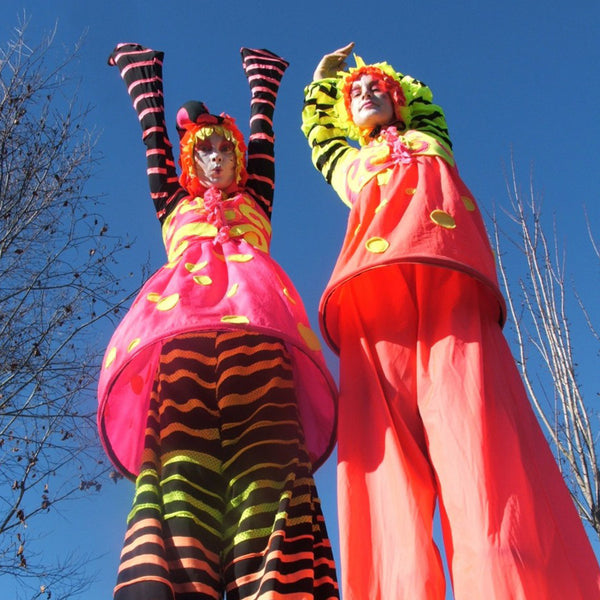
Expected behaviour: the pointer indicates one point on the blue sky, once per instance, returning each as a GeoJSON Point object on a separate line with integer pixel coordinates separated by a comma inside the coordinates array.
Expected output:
{"type": "Point", "coordinates": [515, 78]}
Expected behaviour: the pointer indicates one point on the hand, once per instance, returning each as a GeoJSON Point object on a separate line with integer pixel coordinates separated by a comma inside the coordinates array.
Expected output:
{"type": "Point", "coordinates": [125, 47]}
{"type": "Point", "coordinates": [331, 63]}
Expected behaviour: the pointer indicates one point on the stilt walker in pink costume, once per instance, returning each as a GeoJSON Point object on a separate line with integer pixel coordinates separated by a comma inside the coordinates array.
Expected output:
{"type": "Point", "coordinates": [214, 393]}
{"type": "Point", "coordinates": [432, 407]}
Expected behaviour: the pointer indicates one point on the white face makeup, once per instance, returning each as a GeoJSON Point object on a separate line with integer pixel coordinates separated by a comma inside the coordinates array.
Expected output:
{"type": "Point", "coordinates": [214, 158]}
{"type": "Point", "coordinates": [370, 104]}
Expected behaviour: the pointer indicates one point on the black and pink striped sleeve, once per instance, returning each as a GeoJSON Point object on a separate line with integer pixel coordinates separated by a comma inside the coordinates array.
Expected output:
{"type": "Point", "coordinates": [141, 70]}
{"type": "Point", "coordinates": [264, 71]}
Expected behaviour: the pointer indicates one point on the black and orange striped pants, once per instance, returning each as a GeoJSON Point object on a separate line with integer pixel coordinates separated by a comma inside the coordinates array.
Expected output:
{"type": "Point", "coordinates": [225, 500]}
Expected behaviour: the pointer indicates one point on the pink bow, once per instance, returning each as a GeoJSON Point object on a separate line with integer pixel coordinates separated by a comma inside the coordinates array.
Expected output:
{"type": "Point", "coordinates": [399, 151]}
{"type": "Point", "coordinates": [215, 205]}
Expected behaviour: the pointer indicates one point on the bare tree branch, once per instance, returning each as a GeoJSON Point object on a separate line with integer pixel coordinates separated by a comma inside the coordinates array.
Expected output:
{"type": "Point", "coordinates": [539, 304]}
{"type": "Point", "coordinates": [57, 267]}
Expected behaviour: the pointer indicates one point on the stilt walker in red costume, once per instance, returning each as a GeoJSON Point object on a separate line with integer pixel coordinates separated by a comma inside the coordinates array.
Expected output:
{"type": "Point", "coordinates": [432, 408]}
{"type": "Point", "coordinates": [214, 393]}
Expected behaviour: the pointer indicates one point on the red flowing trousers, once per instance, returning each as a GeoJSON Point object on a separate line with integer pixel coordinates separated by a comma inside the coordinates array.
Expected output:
{"type": "Point", "coordinates": [432, 408]}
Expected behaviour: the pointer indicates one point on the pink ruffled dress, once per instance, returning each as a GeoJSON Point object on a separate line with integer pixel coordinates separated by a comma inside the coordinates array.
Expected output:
{"type": "Point", "coordinates": [219, 276]}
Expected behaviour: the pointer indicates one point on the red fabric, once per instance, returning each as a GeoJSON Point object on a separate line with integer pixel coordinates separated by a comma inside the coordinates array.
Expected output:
{"type": "Point", "coordinates": [403, 206]}
{"type": "Point", "coordinates": [432, 406]}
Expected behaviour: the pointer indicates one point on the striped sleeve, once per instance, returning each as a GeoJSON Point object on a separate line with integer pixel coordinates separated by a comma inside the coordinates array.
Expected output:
{"type": "Point", "coordinates": [141, 70]}
{"type": "Point", "coordinates": [264, 71]}
{"type": "Point", "coordinates": [424, 115]}
{"type": "Point", "coordinates": [327, 141]}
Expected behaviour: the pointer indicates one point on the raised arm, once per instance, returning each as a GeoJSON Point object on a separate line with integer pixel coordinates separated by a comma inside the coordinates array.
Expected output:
{"type": "Point", "coordinates": [141, 69]}
{"type": "Point", "coordinates": [264, 71]}
{"type": "Point", "coordinates": [326, 131]}
{"type": "Point", "coordinates": [327, 141]}
{"type": "Point", "coordinates": [332, 62]}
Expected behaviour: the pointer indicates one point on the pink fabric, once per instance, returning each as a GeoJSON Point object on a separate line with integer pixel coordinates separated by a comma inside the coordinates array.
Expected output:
{"type": "Point", "coordinates": [219, 276]}
{"type": "Point", "coordinates": [432, 406]}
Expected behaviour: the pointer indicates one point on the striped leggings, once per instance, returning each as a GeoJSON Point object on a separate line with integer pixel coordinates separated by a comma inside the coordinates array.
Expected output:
{"type": "Point", "coordinates": [225, 500]}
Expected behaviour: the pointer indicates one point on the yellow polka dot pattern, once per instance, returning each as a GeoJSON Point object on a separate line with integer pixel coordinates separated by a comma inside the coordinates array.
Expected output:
{"type": "Point", "coordinates": [309, 336]}
{"type": "Point", "coordinates": [168, 303]}
{"type": "Point", "coordinates": [133, 344]}
{"type": "Point", "coordinates": [287, 294]}
{"type": "Point", "coordinates": [384, 176]}
{"type": "Point", "coordinates": [377, 245]}
{"type": "Point", "coordinates": [202, 279]}
{"type": "Point", "coordinates": [382, 204]}
{"type": "Point", "coordinates": [241, 258]}
{"type": "Point", "coordinates": [193, 267]}
{"type": "Point", "coordinates": [110, 357]}
{"type": "Point", "coordinates": [468, 203]}
{"type": "Point", "coordinates": [443, 219]}
{"type": "Point", "coordinates": [237, 319]}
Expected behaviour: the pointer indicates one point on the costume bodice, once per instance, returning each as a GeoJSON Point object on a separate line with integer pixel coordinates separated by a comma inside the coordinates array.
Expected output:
{"type": "Point", "coordinates": [215, 216]}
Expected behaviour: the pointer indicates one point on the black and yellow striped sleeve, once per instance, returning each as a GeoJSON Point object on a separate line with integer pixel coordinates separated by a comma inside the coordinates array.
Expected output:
{"type": "Point", "coordinates": [424, 115]}
{"type": "Point", "coordinates": [326, 139]}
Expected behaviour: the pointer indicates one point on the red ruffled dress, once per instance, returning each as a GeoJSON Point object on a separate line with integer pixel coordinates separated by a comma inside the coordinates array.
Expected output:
{"type": "Point", "coordinates": [408, 205]}
{"type": "Point", "coordinates": [432, 409]}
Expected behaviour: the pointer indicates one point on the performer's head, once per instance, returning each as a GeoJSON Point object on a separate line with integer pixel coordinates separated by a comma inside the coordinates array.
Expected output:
{"type": "Point", "coordinates": [371, 97]}
{"type": "Point", "coordinates": [212, 152]}
{"type": "Point", "coordinates": [370, 101]}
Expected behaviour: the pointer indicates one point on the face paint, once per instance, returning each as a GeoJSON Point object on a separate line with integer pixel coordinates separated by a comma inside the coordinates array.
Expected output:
{"type": "Point", "coordinates": [370, 104]}
{"type": "Point", "coordinates": [214, 161]}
